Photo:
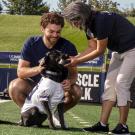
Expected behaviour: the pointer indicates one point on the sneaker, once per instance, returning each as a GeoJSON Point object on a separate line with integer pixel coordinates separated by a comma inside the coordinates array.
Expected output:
{"type": "Point", "coordinates": [97, 128]}
{"type": "Point", "coordinates": [120, 130]}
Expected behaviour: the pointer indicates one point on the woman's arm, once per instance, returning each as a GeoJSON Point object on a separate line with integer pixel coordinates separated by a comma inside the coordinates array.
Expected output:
{"type": "Point", "coordinates": [95, 49]}
{"type": "Point", "coordinates": [92, 45]}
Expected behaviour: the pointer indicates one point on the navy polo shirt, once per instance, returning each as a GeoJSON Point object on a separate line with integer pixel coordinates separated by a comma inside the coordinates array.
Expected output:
{"type": "Point", "coordinates": [34, 49]}
{"type": "Point", "coordinates": [119, 31]}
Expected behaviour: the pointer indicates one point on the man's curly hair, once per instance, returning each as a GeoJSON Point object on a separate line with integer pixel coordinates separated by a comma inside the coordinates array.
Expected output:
{"type": "Point", "coordinates": [52, 18]}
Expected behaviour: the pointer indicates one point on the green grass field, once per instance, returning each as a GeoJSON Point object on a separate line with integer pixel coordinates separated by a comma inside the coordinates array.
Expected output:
{"type": "Point", "coordinates": [80, 116]}
{"type": "Point", "coordinates": [14, 30]}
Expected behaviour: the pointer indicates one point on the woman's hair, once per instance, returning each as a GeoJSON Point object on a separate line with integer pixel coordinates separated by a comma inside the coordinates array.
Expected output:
{"type": "Point", "coordinates": [52, 18]}
{"type": "Point", "coordinates": [77, 11]}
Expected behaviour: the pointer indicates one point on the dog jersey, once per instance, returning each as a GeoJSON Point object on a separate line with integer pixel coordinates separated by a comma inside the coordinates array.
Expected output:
{"type": "Point", "coordinates": [45, 90]}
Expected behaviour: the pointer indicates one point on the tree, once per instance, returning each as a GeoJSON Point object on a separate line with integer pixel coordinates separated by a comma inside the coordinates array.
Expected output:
{"type": "Point", "coordinates": [101, 5]}
{"type": "Point", "coordinates": [26, 7]}
{"type": "Point", "coordinates": [132, 11]}
{"type": "Point", "coordinates": [104, 5]}
{"type": "Point", "coordinates": [1, 8]}
{"type": "Point", "coordinates": [63, 3]}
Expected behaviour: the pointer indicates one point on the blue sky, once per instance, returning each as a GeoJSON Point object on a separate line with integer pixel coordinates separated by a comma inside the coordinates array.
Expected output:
{"type": "Point", "coordinates": [123, 3]}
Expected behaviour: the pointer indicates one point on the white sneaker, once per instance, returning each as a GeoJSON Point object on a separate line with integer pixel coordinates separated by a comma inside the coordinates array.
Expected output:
{"type": "Point", "coordinates": [56, 120]}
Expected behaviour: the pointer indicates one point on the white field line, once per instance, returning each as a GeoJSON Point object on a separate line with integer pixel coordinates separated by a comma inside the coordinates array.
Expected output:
{"type": "Point", "coordinates": [3, 101]}
{"type": "Point", "coordinates": [80, 120]}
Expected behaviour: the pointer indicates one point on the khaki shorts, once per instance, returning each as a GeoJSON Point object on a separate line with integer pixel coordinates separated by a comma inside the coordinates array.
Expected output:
{"type": "Point", "coordinates": [119, 78]}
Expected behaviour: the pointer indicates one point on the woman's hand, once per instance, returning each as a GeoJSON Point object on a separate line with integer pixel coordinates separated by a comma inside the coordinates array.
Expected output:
{"type": "Point", "coordinates": [73, 62]}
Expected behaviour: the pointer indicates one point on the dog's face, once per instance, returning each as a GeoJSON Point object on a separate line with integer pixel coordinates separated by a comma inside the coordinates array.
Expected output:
{"type": "Point", "coordinates": [54, 62]}
{"type": "Point", "coordinates": [55, 59]}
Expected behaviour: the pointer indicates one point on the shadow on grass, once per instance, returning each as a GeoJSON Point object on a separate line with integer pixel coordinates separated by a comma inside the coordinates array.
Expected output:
{"type": "Point", "coordinates": [132, 133]}
{"type": "Point", "coordinates": [74, 129]}
{"type": "Point", "coordinates": [8, 122]}
{"type": "Point", "coordinates": [70, 129]}
{"type": "Point", "coordinates": [42, 126]}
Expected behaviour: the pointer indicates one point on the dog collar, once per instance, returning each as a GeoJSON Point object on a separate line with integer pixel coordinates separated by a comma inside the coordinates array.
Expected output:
{"type": "Point", "coordinates": [52, 73]}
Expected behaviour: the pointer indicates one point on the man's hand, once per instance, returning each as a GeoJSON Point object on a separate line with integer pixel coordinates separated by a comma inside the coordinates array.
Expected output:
{"type": "Point", "coordinates": [42, 65]}
{"type": "Point", "coordinates": [42, 62]}
{"type": "Point", "coordinates": [40, 69]}
{"type": "Point", "coordinates": [66, 85]}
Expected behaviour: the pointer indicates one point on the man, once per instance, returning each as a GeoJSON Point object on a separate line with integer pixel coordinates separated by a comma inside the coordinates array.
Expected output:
{"type": "Point", "coordinates": [112, 31]}
{"type": "Point", "coordinates": [34, 49]}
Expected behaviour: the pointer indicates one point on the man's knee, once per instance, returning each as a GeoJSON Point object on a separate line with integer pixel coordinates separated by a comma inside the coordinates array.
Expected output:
{"type": "Point", "coordinates": [74, 95]}
{"type": "Point", "coordinates": [18, 90]}
{"type": "Point", "coordinates": [76, 90]}
{"type": "Point", "coordinates": [12, 88]}
{"type": "Point", "coordinates": [18, 85]}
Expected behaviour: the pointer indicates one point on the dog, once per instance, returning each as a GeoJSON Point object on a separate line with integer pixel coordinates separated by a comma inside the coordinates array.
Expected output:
{"type": "Point", "coordinates": [48, 95]}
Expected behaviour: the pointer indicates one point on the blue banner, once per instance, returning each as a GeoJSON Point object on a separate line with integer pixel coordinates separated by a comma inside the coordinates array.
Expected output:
{"type": "Point", "coordinates": [6, 75]}
{"type": "Point", "coordinates": [9, 57]}
{"type": "Point", "coordinates": [90, 83]}
{"type": "Point", "coordinates": [93, 63]}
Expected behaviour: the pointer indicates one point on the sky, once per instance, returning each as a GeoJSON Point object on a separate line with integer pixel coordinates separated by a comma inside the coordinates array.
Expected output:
{"type": "Point", "coordinates": [123, 3]}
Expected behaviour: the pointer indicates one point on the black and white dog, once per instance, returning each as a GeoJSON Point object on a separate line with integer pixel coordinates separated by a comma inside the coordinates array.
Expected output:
{"type": "Point", "coordinates": [47, 96]}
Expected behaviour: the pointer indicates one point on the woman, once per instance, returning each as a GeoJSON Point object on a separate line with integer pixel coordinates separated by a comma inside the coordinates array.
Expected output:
{"type": "Point", "coordinates": [112, 31]}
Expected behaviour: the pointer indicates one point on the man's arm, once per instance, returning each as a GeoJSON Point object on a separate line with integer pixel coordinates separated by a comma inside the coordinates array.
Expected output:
{"type": "Point", "coordinates": [24, 70]}
{"type": "Point", "coordinates": [49, 114]}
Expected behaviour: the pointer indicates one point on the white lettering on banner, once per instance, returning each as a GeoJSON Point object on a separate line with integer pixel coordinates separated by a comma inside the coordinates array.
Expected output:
{"type": "Point", "coordinates": [87, 94]}
{"type": "Point", "coordinates": [90, 83]}
{"type": "Point", "coordinates": [95, 61]}
{"type": "Point", "coordinates": [14, 57]}
{"type": "Point", "coordinates": [88, 80]}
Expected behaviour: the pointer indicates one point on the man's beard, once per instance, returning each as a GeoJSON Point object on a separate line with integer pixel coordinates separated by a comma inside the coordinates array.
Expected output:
{"type": "Point", "coordinates": [53, 40]}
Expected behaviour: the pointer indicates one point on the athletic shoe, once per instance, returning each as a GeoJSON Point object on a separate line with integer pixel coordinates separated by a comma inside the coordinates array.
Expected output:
{"type": "Point", "coordinates": [97, 128]}
{"type": "Point", "coordinates": [120, 130]}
